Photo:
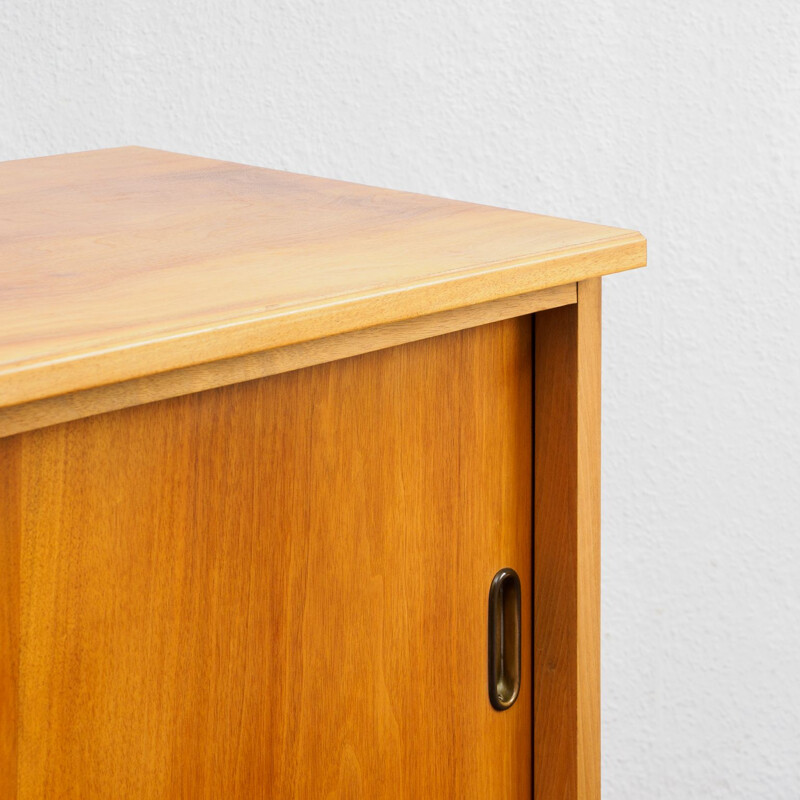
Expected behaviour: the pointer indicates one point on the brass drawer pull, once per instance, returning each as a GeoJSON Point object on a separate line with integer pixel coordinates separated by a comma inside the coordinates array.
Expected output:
{"type": "Point", "coordinates": [504, 639]}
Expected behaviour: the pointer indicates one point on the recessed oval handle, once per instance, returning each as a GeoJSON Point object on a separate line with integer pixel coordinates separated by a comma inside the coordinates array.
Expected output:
{"type": "Point", "coordinates": [505, 630]}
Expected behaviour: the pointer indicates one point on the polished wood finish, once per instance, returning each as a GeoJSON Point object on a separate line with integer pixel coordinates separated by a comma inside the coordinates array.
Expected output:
{"type": "Point", "coordinates": [567, 550]}
{"type": "Point", "coordinates": [75, 405]}
{"type": "Point", "coordinates": [119, 264]}
{"type": "Point", "coordinates": [279, 588]}
{"type": "Point", "coordinates": [10, 529]}
{"type": "Point", "coordinates": [265, 439]}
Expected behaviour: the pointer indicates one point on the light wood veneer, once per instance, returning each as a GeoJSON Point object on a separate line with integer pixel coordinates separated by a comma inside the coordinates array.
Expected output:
{"type": "Point", "coordinates": [265, 440]}
{"type": "Point", "coordinates": [122, 263]}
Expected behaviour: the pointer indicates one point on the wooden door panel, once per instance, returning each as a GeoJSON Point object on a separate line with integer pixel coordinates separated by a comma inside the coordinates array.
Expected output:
{"type": "Point", "coordinates": [279, 588]}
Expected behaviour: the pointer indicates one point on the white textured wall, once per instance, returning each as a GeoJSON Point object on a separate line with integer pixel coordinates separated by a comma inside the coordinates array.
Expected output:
{"type": "Point", "coordinates": [680, 119]}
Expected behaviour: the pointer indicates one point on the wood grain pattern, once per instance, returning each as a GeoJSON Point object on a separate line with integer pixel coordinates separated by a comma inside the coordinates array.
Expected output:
{"type": "Point", "coordinates": [10, 526]}
{"type": "Point", "coordinates": [279, 588]}
{"type": "Point", "coordinates": [118, 264]}
{"type": "Point", "coordinates": [63, 408]}
{"type": "Point", "coordinates": [567, 550]}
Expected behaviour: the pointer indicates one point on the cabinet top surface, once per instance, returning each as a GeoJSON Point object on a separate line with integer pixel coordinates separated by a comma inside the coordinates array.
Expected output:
{"type": "Point", "coordinates": [120, 263]}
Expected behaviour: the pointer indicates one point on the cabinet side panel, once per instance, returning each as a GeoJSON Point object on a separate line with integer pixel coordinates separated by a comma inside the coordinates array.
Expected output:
{"type": "Point", "coordinates": [567, 550]}
{"type": "Point", "coordinates": [279, 588]}
{"type": "Point", "coordinates": [9, 613]}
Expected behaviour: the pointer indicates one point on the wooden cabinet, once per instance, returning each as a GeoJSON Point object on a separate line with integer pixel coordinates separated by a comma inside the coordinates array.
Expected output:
{"type": "Point", "coordinates": [265, 442]}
